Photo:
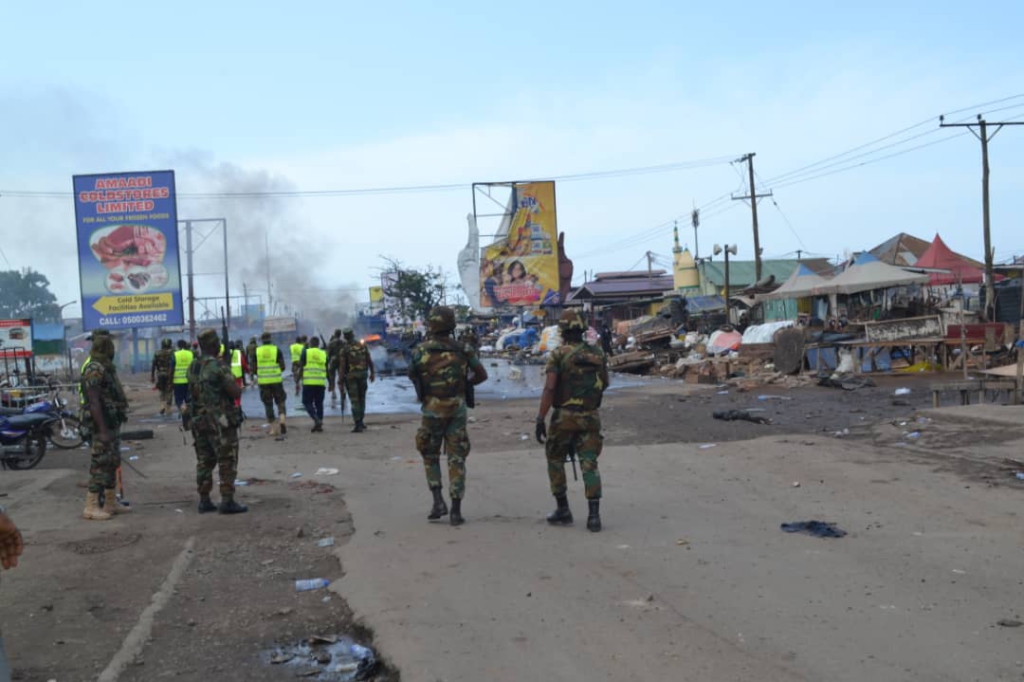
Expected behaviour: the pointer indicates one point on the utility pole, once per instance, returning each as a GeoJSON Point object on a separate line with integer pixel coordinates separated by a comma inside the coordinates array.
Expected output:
{"type": "Point", "coordinates": [799, 253]}
{"type": "Point", "coordinates": [191, 283]}
{"type": "Point", "coordinates": [983, 135]}
{"type": "Point", "coordinates": [650, 265]}
{"type": "Point", "coordinates": [753, 196]}
{"type": "Point", "coordinates": [270, 294]}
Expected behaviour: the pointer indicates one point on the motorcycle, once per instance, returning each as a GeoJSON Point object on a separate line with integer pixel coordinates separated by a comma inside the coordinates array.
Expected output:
{"type": "Point", "coordinates": [23, 439]}
{"type": "Point", "coordinates": [63, 432]}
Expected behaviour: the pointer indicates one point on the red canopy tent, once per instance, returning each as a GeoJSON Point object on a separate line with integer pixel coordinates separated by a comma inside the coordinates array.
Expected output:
{"type": "Point", "coordinates": [941, 257]}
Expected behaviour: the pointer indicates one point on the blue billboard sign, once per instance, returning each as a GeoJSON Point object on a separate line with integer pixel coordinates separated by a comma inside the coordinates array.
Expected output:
{"type": "Point", "coordinates": [127, 225]}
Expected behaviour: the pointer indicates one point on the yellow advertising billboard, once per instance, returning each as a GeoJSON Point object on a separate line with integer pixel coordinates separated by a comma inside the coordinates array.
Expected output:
{"type": "Point", "coordinates": [521, 269]}
{"type": "Point", "coordinates": [376, 295]}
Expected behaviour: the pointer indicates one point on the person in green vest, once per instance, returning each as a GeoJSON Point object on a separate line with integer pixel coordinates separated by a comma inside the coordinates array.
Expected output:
{"type": "Point", "coordinates": [182, 360]}
{"type": "Point", "coordinates": [296, 353]}
{"type": "Point", "coordinates": [238, 368]}
{"type": "Point", "coordinates": [314, 382]}
{"type": "Point", "coordinates": [270, 376]}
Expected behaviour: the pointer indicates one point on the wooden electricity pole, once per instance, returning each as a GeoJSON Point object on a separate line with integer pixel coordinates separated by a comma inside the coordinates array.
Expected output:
{"type": "Point", "coordinates": [983, 135]}
{"type": "Point", "coordinates": [753, 197]}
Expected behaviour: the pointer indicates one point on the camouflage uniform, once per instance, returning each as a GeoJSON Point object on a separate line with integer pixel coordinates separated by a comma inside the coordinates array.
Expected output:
{"type": "Point", "coordinates": [575, 422]}
{"type": "Point", "coordinates": [354, 364]}
{"type": "Point", "coordinates": [333, 348]}
{"type": "Point", "coordinates": [99, 373]}
{"type": "Point", "coordinates": [162, 368]}
{"type": "Point", "coordinates": [440, 366]}
{"type": "Point", "coordinates": [215, 421]}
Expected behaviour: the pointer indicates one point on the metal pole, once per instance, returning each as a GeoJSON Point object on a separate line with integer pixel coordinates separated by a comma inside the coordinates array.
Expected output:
{"type": "Point", "coordinates": [728, 320]}
{"type": "Point", "coordinates": [227, 292]}
{"type": "Point", "coordinates": [990, 293]}
{"type": "Point", "coordinates": [191, 283]}
{"type": "Point", "coordinates": [135, 349]}
{"type": "Point", "coordinates": [270, 292]}
{"type": "Point", "coordinates": [753, 213]}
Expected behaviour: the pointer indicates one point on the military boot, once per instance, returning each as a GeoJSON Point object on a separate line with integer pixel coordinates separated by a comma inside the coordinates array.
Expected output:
{"type": "Point", "coordinates": [229, 506]}
{"type": "Point", "coordinates": [594, 518]}
{"type": "Point", "coordinates": [440, 508]}
{"type": "Point", "coordinates": [561, 516]}
{"type": "Point", "coordinates": [111, 504]}
{"type": "Point", "coordinates": [206, 505]}
{"type": "Point", "coordinates": [456, 515]}
{"type": "Point", "coordinates": [362, 426]}
{"type": "Point", "coordinates": [284, 427]}
{"type": "Point", "coordinates": [92, 510]}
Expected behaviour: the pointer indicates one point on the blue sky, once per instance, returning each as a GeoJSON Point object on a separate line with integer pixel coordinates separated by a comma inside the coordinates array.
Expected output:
{"type": "Point", "coordinates": [337, 95]}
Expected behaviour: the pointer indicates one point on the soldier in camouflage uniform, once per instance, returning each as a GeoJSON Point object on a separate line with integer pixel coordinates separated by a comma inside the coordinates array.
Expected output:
{"type": "Point", "coordinates": [214, 420]}
{"type": "Point", "coordinates": [333, 348]}
{"type": "Point", "coordinates": [105, 409]}
{"type": "Point", "coordinates": [250, 359]}
{"type": "Point", "coordinates": [354, 362]}
{"type": "Point", "coordinates": [440, 370]}
{"type": "Point", "coordinates": [160, 375]}
{"type": "Point", "coordinates": [577, 376]}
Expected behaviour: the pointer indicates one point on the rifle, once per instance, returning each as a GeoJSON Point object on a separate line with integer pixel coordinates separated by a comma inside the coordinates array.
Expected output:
{"type": "Point", "coordinates": [341, 388]}
{"type": "Point", "coordinates": [571, 457]}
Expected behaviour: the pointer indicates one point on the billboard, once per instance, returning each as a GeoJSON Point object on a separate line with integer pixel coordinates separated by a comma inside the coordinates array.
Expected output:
{"type": "Point", "coordinates": [127, 225]}
{"type": "Point", "coordinates": [376, 295]}
{"type": "Point", "coordinates": [16, 338]}
{"type": "Point", "coordinates": [279, 325]}
{"type": "Point", "coordinates": [521, 269]}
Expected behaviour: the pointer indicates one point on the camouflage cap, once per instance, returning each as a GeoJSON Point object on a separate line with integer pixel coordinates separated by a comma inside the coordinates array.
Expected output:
{"type": "Point", "coordinates": [571, 320]}
{"type": "Point", "coordinates": [441, 319]}
{"type": "Point", "coordinates": [347, 331]}
{"type": "Point", "coordinates": [337, 332]}
{"type": "Point", "coordinates": [265, 337]}
{"type": "Point", "coordinates": [166, 343]}
{"type": "Point", "coordinates": [208, 337]}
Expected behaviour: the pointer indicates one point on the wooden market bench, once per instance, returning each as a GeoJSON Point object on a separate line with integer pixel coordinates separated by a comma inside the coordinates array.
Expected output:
{"type": "Point", "coordinates": [965, 387]}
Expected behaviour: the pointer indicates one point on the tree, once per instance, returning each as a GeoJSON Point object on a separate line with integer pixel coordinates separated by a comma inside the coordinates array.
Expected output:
{"type": "Point", "coordinates": [409, 294]}
{"type": "Point", "coordinates": [26, 293]}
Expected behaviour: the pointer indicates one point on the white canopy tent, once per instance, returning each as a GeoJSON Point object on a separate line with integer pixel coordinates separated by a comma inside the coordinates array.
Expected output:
{"type": "Point", "coordinates": [867, 273]}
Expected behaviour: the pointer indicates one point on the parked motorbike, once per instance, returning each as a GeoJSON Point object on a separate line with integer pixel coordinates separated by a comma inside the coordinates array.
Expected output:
{"type": "Point", "coordinates": [23, 439]}
{"type": "Point", "coordinates": [63, 432]}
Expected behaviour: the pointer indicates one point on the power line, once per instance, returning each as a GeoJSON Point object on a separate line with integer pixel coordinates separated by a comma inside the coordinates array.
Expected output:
{"type": "Point", "coordinates": [929, 120]}
{"type": "Point", "coordinates": [406, 189]}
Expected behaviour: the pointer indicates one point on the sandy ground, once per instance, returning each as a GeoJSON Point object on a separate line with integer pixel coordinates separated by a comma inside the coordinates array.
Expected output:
{"type": "Point", "coordinates": [691, 579]}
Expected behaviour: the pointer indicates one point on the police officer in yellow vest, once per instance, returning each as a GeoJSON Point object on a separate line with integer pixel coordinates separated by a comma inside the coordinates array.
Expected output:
{"type": "Point", "coordinates": [296, 352]}
{"type": "Point", "coordinates": [270, 375]}
{"type": "Point", "coordinates": [180, 363]}
{"type": "Point", "coordinates": [238, 368]}
{"type": "Point", "coordinates": [314, 382]}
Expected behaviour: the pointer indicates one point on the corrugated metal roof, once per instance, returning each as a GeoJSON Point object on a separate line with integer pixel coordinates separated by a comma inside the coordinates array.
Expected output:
{"type": "Point", "coordinates": [625, 288]}
{"type": "Point", "coordinates": [742, 272]}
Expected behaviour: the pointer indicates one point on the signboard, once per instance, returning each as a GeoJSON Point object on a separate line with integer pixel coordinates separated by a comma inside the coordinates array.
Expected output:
{"type": "Point", "coordinates": [127, 225]}
{"type": "Point", "coordinates": [16, 336]}
{"type": "Point", "coordinates": [279, 325]}
{"type": "Point", "coordinates": [376, 295]}
{"type": "Point", "coordinates": [521, 269]}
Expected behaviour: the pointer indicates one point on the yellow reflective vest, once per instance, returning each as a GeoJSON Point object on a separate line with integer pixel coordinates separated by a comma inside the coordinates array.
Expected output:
{"type": "Point", "coordinates": [236, 364]}
{"type": "Point", "coordinates": [314, 372]}
{"type": "Point", "coordinates": [182, 361]}
{"type": "Point", "coordinates": [296, 349]}
{"type": "Point", "coordinates": [267, 369]}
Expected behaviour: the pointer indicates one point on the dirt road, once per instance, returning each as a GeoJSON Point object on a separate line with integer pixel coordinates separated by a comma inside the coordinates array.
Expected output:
{"type": "Point", "coordinates": [692, 578]}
